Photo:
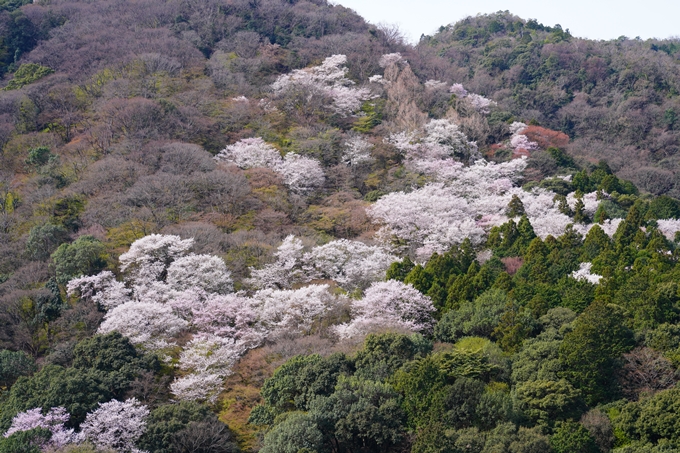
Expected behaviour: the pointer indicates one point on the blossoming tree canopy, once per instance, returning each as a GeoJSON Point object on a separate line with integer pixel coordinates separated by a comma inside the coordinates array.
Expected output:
{"type": "Point", "coordinates": [102, 289]}
{"type": "Point", "coordinates": [115, 425]}
{"type": "Point", "coordinates": [476, 101]}
{"type": "Point", "coordinates": [584, 274]}
{"type": "Point", "coordinates": [328, 80]}
{"type": "Point", "coordinates": [53, 420]}
{"type": "Point", "coordinates": [389, 305]}
{"type": "Point", "coordinates": [251, 153]}
{"type": "Point", "coordinates": [149, 257]}
{"type": "Point", "coordinates": [357, 151]}
{"type": "Point", "coordinates": [351, 264]}
{"type": "Point", "coordinates": [150, 324]}
{"type": "Point", "coordinates": [300, 173]}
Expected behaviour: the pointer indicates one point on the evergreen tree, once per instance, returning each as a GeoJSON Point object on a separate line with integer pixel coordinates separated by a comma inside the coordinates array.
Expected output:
{"type": "Point", "coordinates": [590, 353]}
{"type": "Point", "coordinates": [515, 207]}
{"type": "Point", "coordinates": [580, 212]}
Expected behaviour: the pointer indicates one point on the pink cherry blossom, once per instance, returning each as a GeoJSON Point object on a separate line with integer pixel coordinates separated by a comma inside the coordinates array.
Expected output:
{"type": "Point", "coordinates": [54, 421]}
{"type": "Point", "coordinates": [389, 305]}
{"type": "Point", "coordinates": [251, 153]}
{"type": "Point", "coordinates": [357, 151]}
{"type": "Point", "coordinates": [327, 80]}
{"type": "Point", "coordinates": [147, 324]}
{"type": "Point", "coordinates": [149, 257]}
{"type": "Point", "coordinates": [458, 90]}
{"type": "Point", "coordinates": [102, 289]}
{"type": "Point", "coordinates": [390, 59]}
{"type": "Point", "coordinates": [115, 425]}
{"type": "Point", "coordinates": [301, 174]}
{"type": "Point", "coordinates": [207, 272]}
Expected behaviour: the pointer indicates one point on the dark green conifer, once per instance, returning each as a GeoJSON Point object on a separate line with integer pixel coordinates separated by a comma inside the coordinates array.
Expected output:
{"type": "Point", "coordinates": [515, 207]}
{"type": "Point", "coordinates": [580, 212]}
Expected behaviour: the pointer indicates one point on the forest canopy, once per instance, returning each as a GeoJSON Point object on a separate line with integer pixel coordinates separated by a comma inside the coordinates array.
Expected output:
{"type": "Point", "coordinates": [272, 226]}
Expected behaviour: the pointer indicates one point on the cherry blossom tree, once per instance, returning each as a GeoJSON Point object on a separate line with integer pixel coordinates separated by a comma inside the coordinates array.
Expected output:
{"type": "Point", "coordinates": [228, 316]}
{"type": "Point", "coordinates": [209, 359]}
{"type": "Point", "coordinates": [522, 142]}
{"type": "Point", "coordinates": [251, 153]}
{"type": "Point", "coordinates": [390, 305]}
{"type": "Point", "coordinates": [160, 292]}
{"type": "Point", "coordinates": [376, 79]}
{"type": "Point", "coordinates": [432, 215]}
{"type": "Point", "coordinates": [352, 264]}
{"type": "Point", "coordinates": [347, 100]}
{"type": "Point", "coordinates": [519, 142]}
{"type": "Point", "coordinates": [390, 59]}
{"type": "Point", "coordinates": [544, 214]}
{"type": "Point", "coordinates": [197, 387]}
{"type": "Point", "coordinates": [435, 85]}
{"type": "Point", "coordinates": [590, 202]}
{"type": "Point", "coordinates": [173, 291]}
{"type": "Point", "coordinates": [210, 353]}
{"type": "Point", "coordinates": [293, 311]}
{"type": "Point", "coordinates": [115, 425]}
{"type": "Point", "coordinates": [326, 80]}
{"type": "Point", "coordinates": [54, 420]}
{"type": "Point", "coordinates": [517, 127]}
{"type": "Point", "coordinates": [102, 289]}
{"type": "Point", "coordinates": [584, 274]}
{"type": "Point", "coordinates": [149, 257]}
{"type": "Point", "coordinates": [480, 103]}
{"type": "Point", "coordinates": [476, 101]}
{"type": "Point", "coordinates": [458, 90]}
{"type": "Point", "coordinates": [610, 226]}
{"type": "Point", "coordinates": [147, 324]}
{"type": "Point", "coordinates": [284, 271]}
{"type": "Point", "coordinates": [439, 140]}
{"type": "Point", "coordinates": [465, 204]}
{"type": "Point", "coordinates": [357, 151]}
{"type": "Point", "coordinates": [301, 174]}
{"type": "Point", "coordinates": [207, 272]}
{"type": "Point", "coordinates": [668, 227]}
{"type": "Point", "coordinates": [445, 133]}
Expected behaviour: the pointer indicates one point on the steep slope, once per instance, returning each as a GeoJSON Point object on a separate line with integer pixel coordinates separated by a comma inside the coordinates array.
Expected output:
{"type": "Point", "coordinates": [268, 223]}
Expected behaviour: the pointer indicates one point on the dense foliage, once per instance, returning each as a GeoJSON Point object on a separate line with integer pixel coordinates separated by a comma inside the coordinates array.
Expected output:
{"type": "Point", "coordinates": [270, 226]}
{"type": "Point", "coordinates": [616, 100]}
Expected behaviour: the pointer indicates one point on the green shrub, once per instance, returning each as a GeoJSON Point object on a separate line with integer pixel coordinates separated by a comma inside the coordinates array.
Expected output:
{"type": "Point", "coordinates": [26, 74]}
{"type": "Point", "coordinates": [84, 256]}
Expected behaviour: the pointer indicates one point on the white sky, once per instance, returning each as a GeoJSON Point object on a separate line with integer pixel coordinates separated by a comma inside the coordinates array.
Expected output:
{"type": "Point", "coordinates": [595, 19]}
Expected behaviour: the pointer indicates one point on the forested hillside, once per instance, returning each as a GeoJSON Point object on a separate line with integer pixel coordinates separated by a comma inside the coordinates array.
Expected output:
{"type": "Point", "coordinates": [617, 100]}
{"type": "Point", "coordinates": [270, 226]}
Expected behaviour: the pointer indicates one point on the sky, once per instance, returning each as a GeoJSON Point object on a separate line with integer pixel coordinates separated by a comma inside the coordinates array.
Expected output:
{"type": "Point", "coordinates": [594, 19]}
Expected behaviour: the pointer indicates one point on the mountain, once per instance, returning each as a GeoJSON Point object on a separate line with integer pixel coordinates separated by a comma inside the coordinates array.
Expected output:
{"type": "Point", "coordinates": [268, 225]}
